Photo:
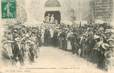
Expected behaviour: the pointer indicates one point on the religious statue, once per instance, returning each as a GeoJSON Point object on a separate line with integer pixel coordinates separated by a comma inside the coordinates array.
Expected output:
{"type": "Point", "coordinates": [52, 19]}
{"type": "Point", "coordinates": [47, 19]}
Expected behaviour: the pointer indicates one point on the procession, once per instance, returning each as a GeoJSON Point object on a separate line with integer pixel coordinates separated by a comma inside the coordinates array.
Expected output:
{"type": "Point", "coordinates": [92, 42]}
{"type": "Point", "coordinates": [76, 28]}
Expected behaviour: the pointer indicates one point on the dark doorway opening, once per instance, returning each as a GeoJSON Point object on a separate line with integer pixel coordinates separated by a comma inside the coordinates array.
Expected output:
{"type": "Point", "coordinates": [57, 15]}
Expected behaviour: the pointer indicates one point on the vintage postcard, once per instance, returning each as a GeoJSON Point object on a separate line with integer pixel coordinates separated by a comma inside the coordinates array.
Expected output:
{"type": "Point", "coordinates": [56, 36]}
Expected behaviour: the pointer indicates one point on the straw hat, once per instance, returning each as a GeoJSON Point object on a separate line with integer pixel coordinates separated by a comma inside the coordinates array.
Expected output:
{"type": "Point", "coordinates": [96, 37]}
{"type": "Point", "coordinates": [105, 46]}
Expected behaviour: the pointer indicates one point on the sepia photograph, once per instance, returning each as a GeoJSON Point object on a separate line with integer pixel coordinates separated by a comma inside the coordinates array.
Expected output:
{"type": "Point", "coordinates": [56, 36]}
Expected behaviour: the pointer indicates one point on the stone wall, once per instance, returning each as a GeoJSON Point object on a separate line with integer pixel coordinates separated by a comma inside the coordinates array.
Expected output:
{"type": "Point", "coordinates": [102, 9]}
{"type": "Point", "coordinates": [36, 9]}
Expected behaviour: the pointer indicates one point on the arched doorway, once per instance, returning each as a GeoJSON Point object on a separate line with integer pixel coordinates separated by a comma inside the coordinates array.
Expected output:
{"type": "Point", "coordinates": [57, 15]}
{"type": "Point", "coordinates": [53, 8]}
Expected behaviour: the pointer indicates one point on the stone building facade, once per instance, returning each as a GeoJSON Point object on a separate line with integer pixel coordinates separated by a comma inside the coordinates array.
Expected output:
{"type": "Point", "coordinates": [101, 9]}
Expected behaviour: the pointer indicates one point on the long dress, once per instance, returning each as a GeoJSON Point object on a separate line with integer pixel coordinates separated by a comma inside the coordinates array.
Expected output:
{"type": "Point", "coordinates": [42, 36]}
{"type": "Point", "coordinates": [7, 45]}
{"type": "Point", "coordinates": [69, 47]}
{"type": "Point", "coordinates": [63, 44]}
{"type": "Point", "coordinates": [55, 39]}
{"type": "Point", "coordinates": [52, 19]}
{"type": "Point", "coordinates": [47, 19]}
{"type": "Point", "coordinates": [47, 37]}
{"type": "Point", "coordinates": [7, 49]}
{"type": "Point", "coordinates": [52, 34]}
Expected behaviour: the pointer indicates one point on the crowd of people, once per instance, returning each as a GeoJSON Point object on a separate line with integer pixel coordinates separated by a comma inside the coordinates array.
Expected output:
{"type": "Point", "coordinates": [92, 42]}
{"type": "Point", "coordinates": [21, 43]}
